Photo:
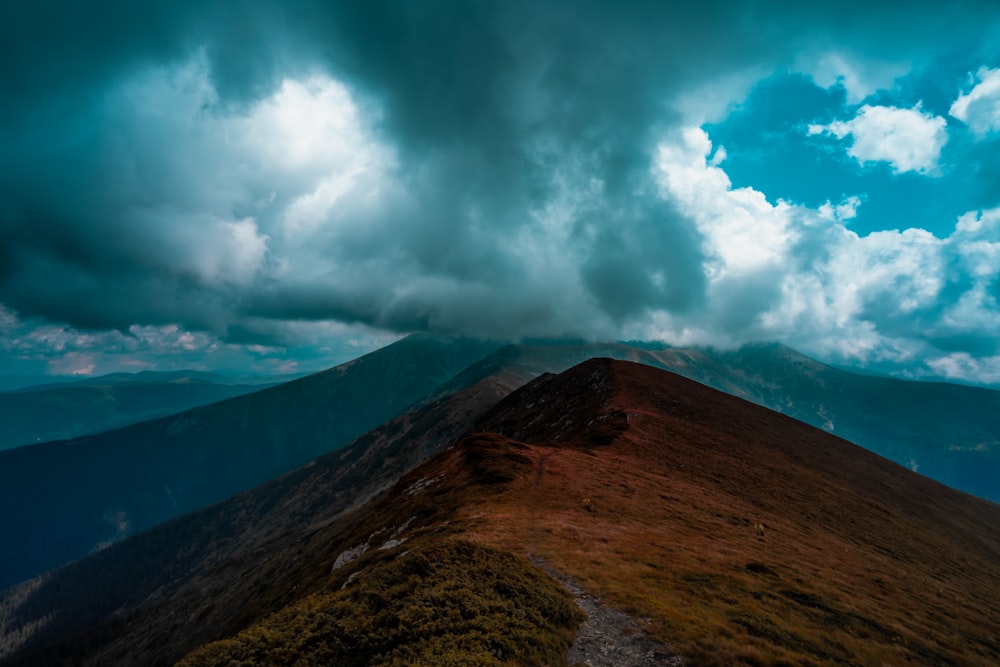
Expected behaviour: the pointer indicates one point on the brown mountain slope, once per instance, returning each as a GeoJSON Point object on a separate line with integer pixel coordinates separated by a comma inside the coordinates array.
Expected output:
{"type": "Point", "coordinates": [948, 432]}
{"type": "Point", "coordinates": [744, 537]}
{"type": "Point", "coordinates": [123, 605]}
{"type": "Point", "coordinates": [747, 537]}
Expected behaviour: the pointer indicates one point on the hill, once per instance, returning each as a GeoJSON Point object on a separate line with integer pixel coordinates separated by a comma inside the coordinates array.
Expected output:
{"type": "Point", "coordinates": [64, 500]}
{"type": "Point", "coordinates": [211, 559]}
{"type": "Point", "coordinates": [735, 535]}
{"type": "Point", "coordinates": [71, 409]}
{"type": "Point", "coordinates": [64, 503]}
{"type": "Point", "coordinates": [946, 431]}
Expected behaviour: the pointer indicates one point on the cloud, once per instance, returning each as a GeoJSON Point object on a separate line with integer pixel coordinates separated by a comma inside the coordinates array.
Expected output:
{"type": "Point", "coordinates": [388, 198]}
{"type": "Point", "coordinates": [170, 205]}
{"type": "Point", "coordinates": [798, 274]}
{"type": "Point", "coordinates": [72, 363]}
{"type": "Point", "coordinates": [230, 183]}
{"type": "Point", "coordinates": [860, 77]}
{"type": "Point", "coordinates": [908, 139]}
{"type": "Point", "coordinates": [963, 367]}
{"type": "Point", "coordinates": [980, 107]}
{"type": "Point", "coordinates": [64, 350]}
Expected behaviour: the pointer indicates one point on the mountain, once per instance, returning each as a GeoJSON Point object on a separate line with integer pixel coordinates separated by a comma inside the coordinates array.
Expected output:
{"type": "Point", "coordinates": [946, 431]}
{"type": "Point", "coordinates": [70, 409]}
{"type": "Point", "coordinates": [214, 556]}
{"type": "Point", "coordinates": [66, 499]}
{"type": "Point", "coordinates": [77, 496]}
{"type": "Point", "coordinates": [730, 534]}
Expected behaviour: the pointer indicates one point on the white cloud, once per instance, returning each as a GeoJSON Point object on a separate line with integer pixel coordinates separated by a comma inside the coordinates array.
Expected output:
{"type": "Point", "coordinates": [963, 366]}
{"type": "Point", "coordinates": [845, 210]}
{"type": "Point", "coordinates": [63, 350]}
{"type": "Point", "coordinates": [713, 99]}
{"type": "Point", "coordinates": [743, 233]}
{"type": "Point", "coordinates": [908, 139]}
{"type": "Point", "coordinates": [298, 189]}
{"type": "Point", "coordinates": [8, 320]}
{"type": "Point", "coordinates": [980, 107]}
{"type": "Point", "coordinates": [72, 363]}
{"type": "Point", "coordinates": [209, 199]}
{"type": "Point", "coordinates": [859, 76]}
{"type": "Point", "coordinates": [305, 124]}
{"type": "Point", "coordinates": [291, 158]}
{"type": "Point", "coordinates": [799, 275]}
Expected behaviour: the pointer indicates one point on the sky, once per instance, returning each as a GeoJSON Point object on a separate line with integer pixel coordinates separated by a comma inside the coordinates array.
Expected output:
{"type": "Point", "coordinates": [277, 187]}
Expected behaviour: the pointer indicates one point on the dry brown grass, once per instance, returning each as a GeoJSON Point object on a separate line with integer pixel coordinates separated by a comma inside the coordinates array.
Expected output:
{"type": "Point", "coordinates": [744, 537]}
{"type": "Point", "coordinates": [747, 538]}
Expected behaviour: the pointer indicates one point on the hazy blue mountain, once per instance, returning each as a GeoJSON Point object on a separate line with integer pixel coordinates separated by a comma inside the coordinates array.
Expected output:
{"type": "Point", "coordinates": [57, 411]}
{"type": "Point", "coordinates": [62, 500]}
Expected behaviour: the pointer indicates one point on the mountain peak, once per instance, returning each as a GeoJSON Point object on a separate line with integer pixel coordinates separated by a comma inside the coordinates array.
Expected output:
{"type": "Point", "coordinates": [575, 407]}
{"type": "Point", "coordinates": [743, 536]}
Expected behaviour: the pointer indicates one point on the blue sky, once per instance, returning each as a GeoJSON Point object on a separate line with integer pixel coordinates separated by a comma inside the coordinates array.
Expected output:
{"type": "Point", "coordinates": [278, 187]}
{"type": "Point", "coordinates": [769, 147]}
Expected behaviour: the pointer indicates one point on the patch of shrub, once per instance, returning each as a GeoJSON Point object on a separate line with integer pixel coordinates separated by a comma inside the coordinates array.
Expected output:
{"type": "Point", "coordinates": [454, 604]}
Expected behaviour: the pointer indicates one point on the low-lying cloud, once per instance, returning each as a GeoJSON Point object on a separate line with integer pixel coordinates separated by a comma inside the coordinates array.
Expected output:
{"type": "Point", "coordinates": [256, 174]}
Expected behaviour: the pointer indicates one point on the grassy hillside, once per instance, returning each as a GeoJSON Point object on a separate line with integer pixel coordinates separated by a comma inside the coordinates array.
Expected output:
{"type": "Point", "coordinates": [452, 604]}
{"type": "Point", "coordinates": [734, 534]}
{"type": "Point", "coordinates": [747, 538]}
{"type": "Point", "coordinates": [948, 432]}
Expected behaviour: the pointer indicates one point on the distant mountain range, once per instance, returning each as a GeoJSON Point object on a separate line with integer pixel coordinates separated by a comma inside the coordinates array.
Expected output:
{"type": "Point", "coordinates": [63, 500]}
{"type": "Point", "coordinates": [57, 411]}
{"type": "Point", "coordinates": [80, 495]}
{"type": "Point", "coordinates": [730, 534]}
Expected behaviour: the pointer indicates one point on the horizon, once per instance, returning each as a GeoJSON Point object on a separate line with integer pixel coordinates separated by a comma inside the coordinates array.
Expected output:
{"type": "Point", "coordinates": [16, 383]}
{"type": "Point", "coordinates": [278, 188]}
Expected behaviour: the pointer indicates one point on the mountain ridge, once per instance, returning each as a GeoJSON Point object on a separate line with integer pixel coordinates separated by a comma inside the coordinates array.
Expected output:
{"type": "Point", "coordinates": [59, 411]}
{"type": "Point", "coordinates": [744, 536]}
{"type": "Point", "coordinates": [79, 495]}
{"type": "Point", "coordinates": [949, 431]}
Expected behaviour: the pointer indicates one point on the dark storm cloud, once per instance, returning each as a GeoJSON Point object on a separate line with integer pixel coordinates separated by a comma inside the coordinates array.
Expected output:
{"type": "Point", "coordinates": [502, 117]}
{"type": "Point", "coordinates": [483, 101]}
{"type": "Point", "coordinates": [492, 106]}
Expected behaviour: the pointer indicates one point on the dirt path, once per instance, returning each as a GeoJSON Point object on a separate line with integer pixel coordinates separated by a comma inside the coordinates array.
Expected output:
{"type": "Point", "coordinates": [609, 638]}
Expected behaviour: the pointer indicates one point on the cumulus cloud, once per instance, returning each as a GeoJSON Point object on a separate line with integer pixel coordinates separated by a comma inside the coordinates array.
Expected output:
{"type": "Point", "coordinates": [908, 139]}
{"type": "Point", "coordinates": [980, 107]}
{"type": "Point", "coordinates": [743, 233]}
{"type": "Point", "coordinates": [963, 367]}
{"type": "Point", "coordinates": [295, 347]}
{"type": "Point", "coordinates": [800, 275]}
{"type": "Point", "coordinates": [170, 205]}
{"type": "Point", "coordinates": [293, 176]}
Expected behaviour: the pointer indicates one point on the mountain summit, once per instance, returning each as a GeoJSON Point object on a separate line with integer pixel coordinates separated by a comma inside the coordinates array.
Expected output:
{"type": "Point", "coordinates": [733, 534]}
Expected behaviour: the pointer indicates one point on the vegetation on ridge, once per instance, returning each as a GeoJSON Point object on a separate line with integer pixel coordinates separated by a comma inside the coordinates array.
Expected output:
{"type": "Point", "coordinates": [453, 604]}
{"type": "Point", "coordinates": [736, 535]}
{"type": "Point", "coordinates": [742, 536]}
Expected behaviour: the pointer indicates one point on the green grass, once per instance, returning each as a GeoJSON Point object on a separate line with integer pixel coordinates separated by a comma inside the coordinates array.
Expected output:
{"type": "Point", "coordinates": [456, 603]}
